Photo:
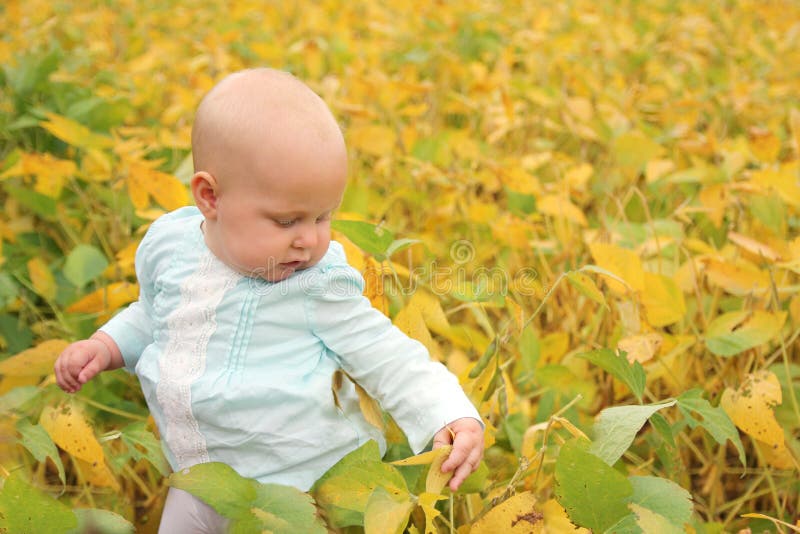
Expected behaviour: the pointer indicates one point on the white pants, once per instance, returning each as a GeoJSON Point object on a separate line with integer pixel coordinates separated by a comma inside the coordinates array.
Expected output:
{"type": "Point", "coordinates": [186, 514]}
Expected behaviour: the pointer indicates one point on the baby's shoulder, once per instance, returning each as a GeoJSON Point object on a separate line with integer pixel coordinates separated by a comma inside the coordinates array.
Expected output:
{"type": "Point", "coordinates": [173, 223]}
{"type": "Point", "coordinates": [166, 233]}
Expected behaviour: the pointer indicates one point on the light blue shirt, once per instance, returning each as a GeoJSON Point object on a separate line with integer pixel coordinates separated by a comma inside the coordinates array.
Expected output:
{"type": "Point", "coordinates": [239, 370]}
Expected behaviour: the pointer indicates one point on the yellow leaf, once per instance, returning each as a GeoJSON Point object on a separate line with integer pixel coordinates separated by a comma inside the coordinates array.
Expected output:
{"type": "Point", "coordinates": [436, 480]}
{"type": "Point", "coordinates": [167, 190]}
{"type": "Point", "coordinates": [633, 150]}
{"type": "Point", "coordinates": [560, 206]}
{"type": "Point", "coordinates": [553, 347]}
{"type": "Point", "coordinates": [750, 408]}
{"type": "Point", "coordinates": [622, 262]}
{"type": "Point", "coordinates": [373, 286]}
{"type": "Point", "coordinates": [658, 168]}
{"type": "Point", "coordinates": [410, 321]}
{"type": "Point", "coordinates": [517, 515]}
{"type": "Point", "coordinates": [42, 279]}
{"type": "Point", "coordinates": [519, 180]}
{"type": "Point", "coordinates": [482, 212]}
{"type": "Point", "coordinates": [370, 408]}
{"type": "Point", "coordinates": [577, 177]}
{"type": "Point", "coordinates": [431, 309]}
{"type": "Point", "coordinates": [662, 300]}
{"type": "Point", "coordinates": [764, 144]}
{"type": "Point", "coordinates": [36, 361]}
{"type": "Point", "coordinates": [757, 248]}
{"type": "Point", "coordinates": [427, 501]}
{"type": "Point", "coordinates": [372, 139]}
{"type": "Point", "coordinates": [714, 199]}
{"type": "Point", "coordinates": [137, 190]}
{"type": "Point", "coordinates": [556, 520]}
{"type": "Point", "coordinates": [96, 166]}
{"type": "Point", "coordinates": [580, 108]}
{"type": "Point", "coordinates": [780, 457]}
{"type": "Point", "coordinates": [386, 514]}
{"type": "Point", "coordinates": [794, 124]}
{"type": "Point", "coordinates": [783, 180]}
{"type": "Point", "coordinates": [531, 162]}
{"type": "Point", "coordinates": [740, 278]}
{"type": "Point", "coordinates": [69, 429]}
{"type": "Point", "coordinates": [641, 348]}
{"type": "Point", "coordinates": [106, 299]}
{"type": "Point", "coordinates": [98, 474]}
{"type": "Point", "coordinates": [50, 172]}
{"type": "Point", "coordinates": [355, 256]}
{"type": "Point", "coordinates": [74, 133]}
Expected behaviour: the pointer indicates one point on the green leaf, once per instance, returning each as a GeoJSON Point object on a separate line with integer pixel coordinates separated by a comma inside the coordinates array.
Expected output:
{"type": "Point", "coordinates": [281, 510]}
{"type": "Point", "coordinates": [617, 426]}
{"type": "Point", "coordinates": [714, 420]}
{"type": "Point", "coordinates": [105, 521]}
{"type": "Point", "coordinates": [586, 287]}
{"type": "Point", "coordinates": [24, 508]}
{"type": "Point", "coordinates": [83, 264]}
{"type": "Point", "coordinates": [40, 445]}
{"type": "Point", "coordinates": [41, 205]}
{"type": "Point", "coordinates": [230, 494]}
{"type": "Point", "coordinates": [734, 332]}
{"type": "Point", "coordinates": [136, 435]}
{"type": "Point", "coordinates": [400, 244]}
{"type": "Point", "coordinates": [650, 521]}
{"type": "Point", "coordinates": [520, 204]}
{"type": "Point", "coordinates": [626, 525]}
{"type": "Point", "coordinates": [366, 236]}
{"type": "Point", "coordinates": [663, 427]}
{"type": "Point", "coordinates": [343, 491]}
{"type": "Point", "coordinates": [633, 150]}
{"type": "Point", "coordinates": [17, 397]}
{"type": "Point", "coordinates": [618, 366]}
{"type": "Point", "coordinates": [32, 72]}
{"type": "Point", "coordinates": [663, 497]}
{"type": "Point", "coordinates": [593, 493]}
{"type": "Point", "coordinates": [16, 334]}
{"type": "Point", "coordinates": [475, 482]}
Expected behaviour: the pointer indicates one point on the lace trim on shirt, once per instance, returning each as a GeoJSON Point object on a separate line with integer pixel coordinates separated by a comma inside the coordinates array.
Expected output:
{"type": "Point", "coordinates": [190, 325]}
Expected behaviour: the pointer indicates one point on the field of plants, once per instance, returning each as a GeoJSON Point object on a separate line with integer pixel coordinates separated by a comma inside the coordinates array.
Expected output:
{"type": "Point", "coordinates": [588, 210]}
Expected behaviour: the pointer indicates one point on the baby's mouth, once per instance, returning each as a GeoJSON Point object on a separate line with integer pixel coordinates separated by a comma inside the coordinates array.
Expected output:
{"type": "Point", "coordinates": [293, 264]}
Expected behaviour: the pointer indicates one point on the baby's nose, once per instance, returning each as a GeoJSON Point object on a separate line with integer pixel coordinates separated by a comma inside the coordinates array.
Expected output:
{"type": "Point", "coordinates": [307, 237]}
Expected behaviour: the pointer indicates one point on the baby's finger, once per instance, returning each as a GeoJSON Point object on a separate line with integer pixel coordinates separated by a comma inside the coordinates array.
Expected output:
{"type": "Point", "coordinates": [89, 370]}
{"type": "Point", "coordinates": [442, 438]}
{"type": "Point", "coordinates": [461, 450]}
{"type": "Point", "coordinates": [460, 475]}
{"type": "Point", "coordinates": [63, 376]}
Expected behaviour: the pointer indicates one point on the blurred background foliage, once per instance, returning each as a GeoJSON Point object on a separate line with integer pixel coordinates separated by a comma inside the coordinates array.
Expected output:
{"type": "Point", "coordinates": [577, 178]}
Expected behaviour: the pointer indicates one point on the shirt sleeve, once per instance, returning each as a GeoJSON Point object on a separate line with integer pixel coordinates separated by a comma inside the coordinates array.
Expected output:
{"type": "Point", "coordinates": [421, 395]}
{"type": "Point", "coordinates": [132, 328]}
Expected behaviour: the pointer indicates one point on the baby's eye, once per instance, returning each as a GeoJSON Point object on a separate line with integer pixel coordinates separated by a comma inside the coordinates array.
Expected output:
{"type": "Point", "coordinates": [286, 223]}
{"type": "Point", "coordinates": [323, 218]}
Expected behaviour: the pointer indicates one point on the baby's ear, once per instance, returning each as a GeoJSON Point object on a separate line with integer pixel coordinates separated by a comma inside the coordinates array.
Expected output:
{"type": "Point", "coordinates": [204, 190]}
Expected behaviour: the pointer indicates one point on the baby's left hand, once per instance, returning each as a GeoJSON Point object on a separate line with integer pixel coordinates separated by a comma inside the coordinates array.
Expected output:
{"type": "Point", "coordinates": [467, 440]}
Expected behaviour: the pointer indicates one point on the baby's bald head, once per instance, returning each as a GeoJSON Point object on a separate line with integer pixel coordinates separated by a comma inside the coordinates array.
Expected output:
{"type": "Point", "coordinates": [251, 117]}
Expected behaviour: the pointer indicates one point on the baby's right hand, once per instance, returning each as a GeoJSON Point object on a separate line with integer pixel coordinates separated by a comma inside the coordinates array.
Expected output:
{"type": "Point", "coordinates": [79, 362]}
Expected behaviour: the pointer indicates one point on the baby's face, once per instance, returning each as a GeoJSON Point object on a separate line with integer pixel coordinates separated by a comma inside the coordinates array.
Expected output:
{"type": "Point", "coordinates": [275, 218]}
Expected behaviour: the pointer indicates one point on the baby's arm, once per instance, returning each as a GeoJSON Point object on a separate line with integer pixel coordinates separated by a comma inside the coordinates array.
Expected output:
{"type": "Point", "coordinates": [82, 360]}
{"type": "Point", "coordinates": [466, 436]}
{"type": "Point", "coordinates": [396, 370]}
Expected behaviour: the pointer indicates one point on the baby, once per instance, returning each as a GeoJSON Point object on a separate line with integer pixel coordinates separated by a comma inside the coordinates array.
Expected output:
{"type": "Point", "coordinates": [247, 308]}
